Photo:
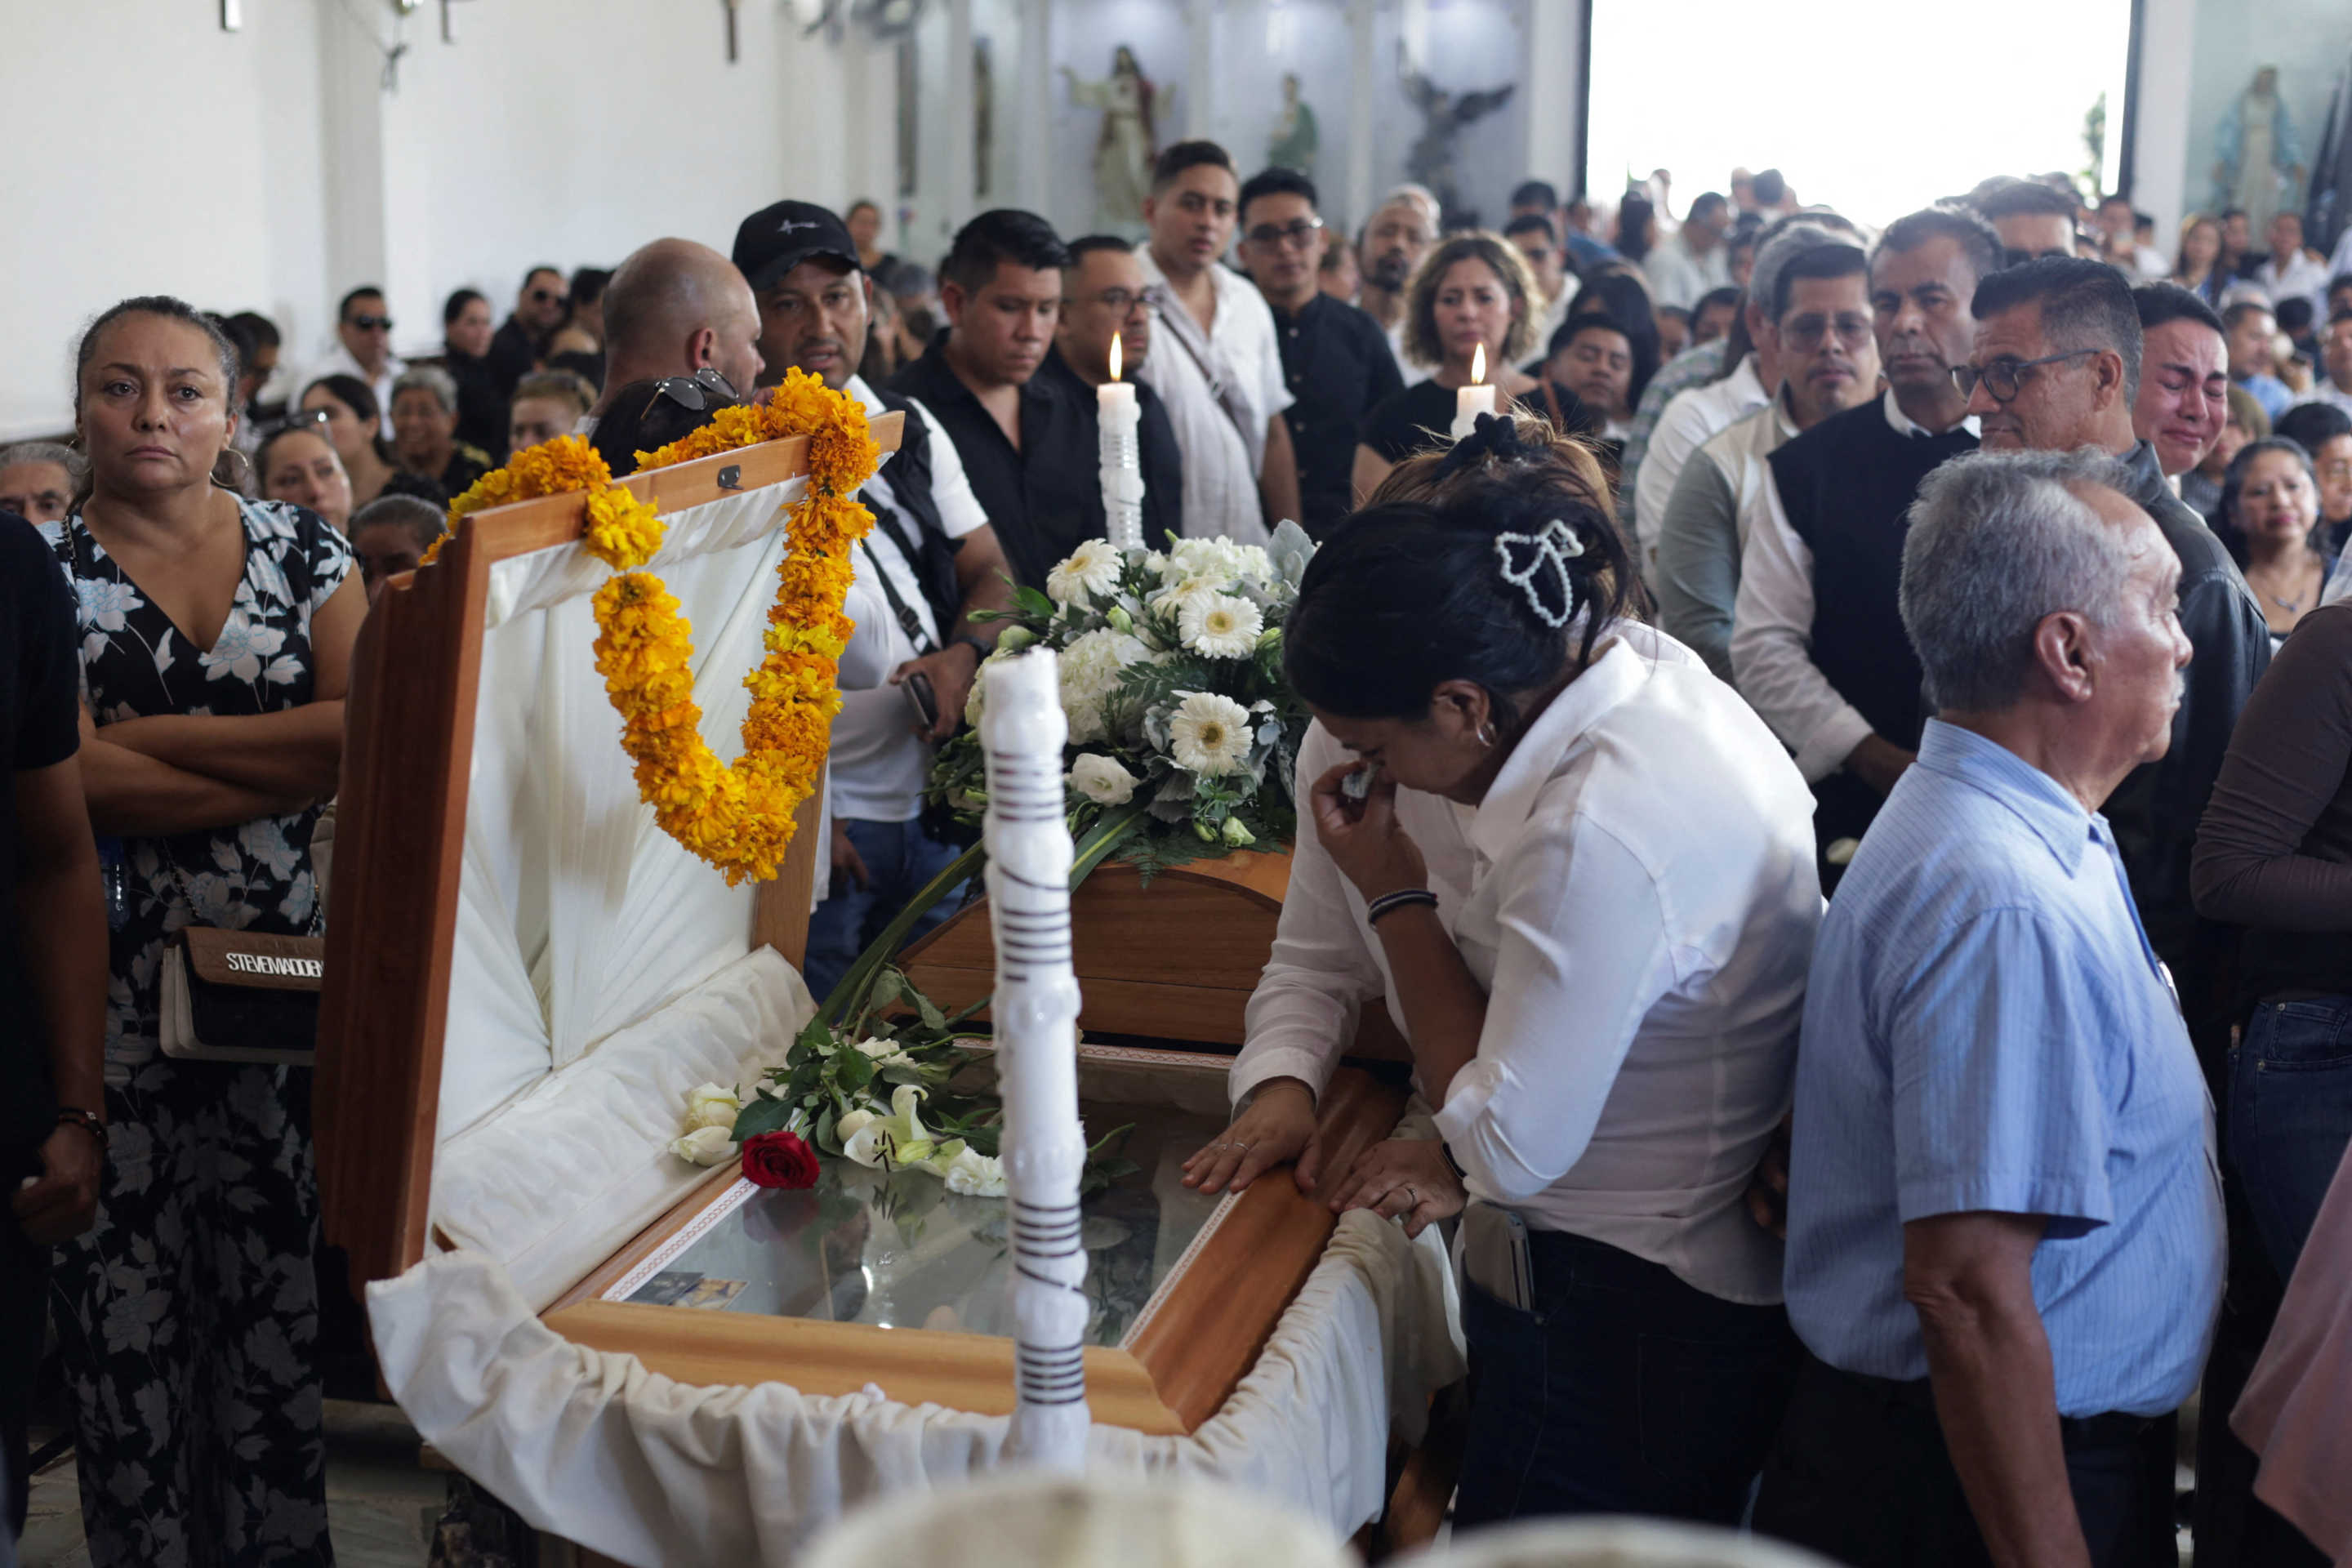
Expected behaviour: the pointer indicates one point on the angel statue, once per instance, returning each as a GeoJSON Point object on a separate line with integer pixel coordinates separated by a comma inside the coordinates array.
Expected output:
{"type": "Point", "coordinates": [1443, 115]}
{"type": "Point", "coordinates": [1295, 136]}
{"type": "Point", "coordinates": [2258, 156]}
{"type": "Point", "coordinates": [1128, 145]}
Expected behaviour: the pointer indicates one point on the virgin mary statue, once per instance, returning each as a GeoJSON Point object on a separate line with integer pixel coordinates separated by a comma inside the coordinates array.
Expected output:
{"type": "Point", "coordinates": [2258, 157]}
{"type": "Point", "coordinates": [1127, 146]}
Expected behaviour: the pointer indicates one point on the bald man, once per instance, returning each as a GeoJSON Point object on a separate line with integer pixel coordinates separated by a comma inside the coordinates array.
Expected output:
{"type": "Point", "coordinates": [675, 308]}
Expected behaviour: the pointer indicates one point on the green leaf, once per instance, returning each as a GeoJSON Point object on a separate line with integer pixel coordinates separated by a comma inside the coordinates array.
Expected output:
{"type": "Point", "coordinates": [888, 986]}
{"type": "Point", "coordinates": [825, 1137]}
{"type": "Point", "coordinates": [904, 1075]}
{"type": "Point", "coordinates": [853, 1069]}
{"type": "Point", "coordinates": [1033, 602]}
{"type": "Point", "coordinates": [761, 1116]}
{"type": "Point", "coordinates": [933, 1018]}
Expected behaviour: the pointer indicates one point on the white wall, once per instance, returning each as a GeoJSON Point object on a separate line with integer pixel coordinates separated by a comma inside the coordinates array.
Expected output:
{"type": "Point", "coordinates": [149, 152]}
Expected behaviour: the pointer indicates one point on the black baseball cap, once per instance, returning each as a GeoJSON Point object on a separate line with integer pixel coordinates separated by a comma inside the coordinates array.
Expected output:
{"type": "Point", "coordinates": [774, 240]}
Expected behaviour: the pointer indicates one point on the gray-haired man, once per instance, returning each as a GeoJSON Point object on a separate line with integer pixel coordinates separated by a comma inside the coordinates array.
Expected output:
{"type": "Point", "coordinates": [2005, 1235]}
{"type": "Point", "coordinates": [37, 479]}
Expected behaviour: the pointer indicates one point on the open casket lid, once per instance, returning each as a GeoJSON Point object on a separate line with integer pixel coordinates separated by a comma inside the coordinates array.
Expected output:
{"type": "Point", "coordinates": [410, 778]}
{"type": "Point", "coordinates": [441, 707]}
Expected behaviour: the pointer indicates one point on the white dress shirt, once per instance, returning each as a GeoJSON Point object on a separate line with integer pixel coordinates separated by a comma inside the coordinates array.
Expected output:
{"type": "Point", "coordinates": [1221, 493]}
{"type": "Point", "coordinates": [1415, 374]}
{"type": "Point", "coordinates": [1680, 277]}
{"type": "Point", "coordinates": [340, 362]}
{"type": "Point", "coordinates": [2304, 276]}
{"type": "Point", "coordinates": [879, 763]}
{"type": "Point", "coordinates": [1637, 896]}
{"type": "Point", "coordinates": [1773, 633]}
{"type": "Point", "coordinates": [1690, 421]}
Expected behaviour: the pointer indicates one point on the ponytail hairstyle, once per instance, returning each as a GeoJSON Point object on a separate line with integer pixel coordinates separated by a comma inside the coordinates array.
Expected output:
{"type": "Point", "coordinates": [232, 365]}
{"type": "Point", "coordinates": [1486, 565]}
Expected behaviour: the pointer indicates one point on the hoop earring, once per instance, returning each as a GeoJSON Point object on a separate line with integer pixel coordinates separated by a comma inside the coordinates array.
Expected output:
{"type": "Point", "coordinates": [1486, 734]}
{"type": "Point", "coordinates": [244, 465]}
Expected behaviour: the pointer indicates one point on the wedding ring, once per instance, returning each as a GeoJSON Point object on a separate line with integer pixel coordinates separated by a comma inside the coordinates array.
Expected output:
{"type": "Point", "coordinates": [1412, 1193]}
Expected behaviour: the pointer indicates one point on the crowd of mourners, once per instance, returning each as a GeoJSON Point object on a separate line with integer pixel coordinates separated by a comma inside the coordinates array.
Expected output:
{"type": "Point", "coordinates": [1855, 813]}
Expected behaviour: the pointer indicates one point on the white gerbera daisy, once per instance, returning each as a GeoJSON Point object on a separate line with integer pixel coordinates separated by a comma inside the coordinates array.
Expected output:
{"type": "Point", "coordinates": [1222, 626]}
{"type": "Point", "coordinates": [1209, 734]}
{"type": "Point", "coordinates": [1092, 568]}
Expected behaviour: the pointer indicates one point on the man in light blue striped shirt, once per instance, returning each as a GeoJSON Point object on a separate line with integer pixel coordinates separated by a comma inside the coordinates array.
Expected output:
{"type": "Point", "coordinates": [2005, 1232]}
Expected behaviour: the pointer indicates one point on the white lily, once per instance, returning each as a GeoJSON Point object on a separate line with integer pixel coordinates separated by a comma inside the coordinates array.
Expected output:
{"type": "Point", "coordinates": [869, 1139]}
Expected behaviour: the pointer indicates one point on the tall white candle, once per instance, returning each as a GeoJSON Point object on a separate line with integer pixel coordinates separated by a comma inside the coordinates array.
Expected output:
{"type": "Point", "coordinates": [1036, 1006]}
{"type": "Point", "coordinates": [1471, 401]}
{"type": "Point", "coordinates": [1120, 443]}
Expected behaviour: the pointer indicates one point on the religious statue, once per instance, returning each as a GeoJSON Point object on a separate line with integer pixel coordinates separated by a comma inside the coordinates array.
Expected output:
{"type": "Point", "coordinates": [1127, 146]}
{"type": "Point", "coordinates": [1295, 137]}
{"type": "Point", "coordinates": [1443, 115]}
{"type": "Point", "coordinates": [2259, 158]}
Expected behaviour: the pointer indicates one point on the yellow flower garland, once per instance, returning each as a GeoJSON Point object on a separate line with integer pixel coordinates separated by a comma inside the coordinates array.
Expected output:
{"type": "Point", "coordinates": [737, 818]}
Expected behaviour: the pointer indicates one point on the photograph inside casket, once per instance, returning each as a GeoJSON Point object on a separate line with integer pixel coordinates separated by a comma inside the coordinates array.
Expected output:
{"type": "Point", "coordinates": [533, 976]}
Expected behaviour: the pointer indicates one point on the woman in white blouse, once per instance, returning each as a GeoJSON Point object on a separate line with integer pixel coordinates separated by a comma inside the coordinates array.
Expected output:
{"type": "Point", "coordinates": [1582, 878]}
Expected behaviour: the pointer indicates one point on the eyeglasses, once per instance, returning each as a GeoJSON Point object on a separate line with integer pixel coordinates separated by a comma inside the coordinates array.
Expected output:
{"type": "Point", "coordinates": [1298, 233]}
{"type": "Point", "coordinates": [2003, 377]}
{"type": "Point", "coordinates": [1807, 332]}
{"type": "Point", "coordinates": [1127, 302]}
{"type": "Point", "coordinates": [298, 419]}
{"type": "Point", "coordinates": [695, 392]}
{"type": "Point", "coordinates": [546, 296]}
{"type": "Point", "coordinates": [369, 323]}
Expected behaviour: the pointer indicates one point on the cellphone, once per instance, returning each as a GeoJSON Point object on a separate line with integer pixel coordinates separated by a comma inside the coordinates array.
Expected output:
{"type": "Point", "coordinates": [922, 699]}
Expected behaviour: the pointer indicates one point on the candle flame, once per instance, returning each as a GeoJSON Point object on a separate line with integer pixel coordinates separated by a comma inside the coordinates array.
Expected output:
{"type": "Point", "coordinates": [1113, 356]}
{"type": "Point", "coordinates": [1477, 363]}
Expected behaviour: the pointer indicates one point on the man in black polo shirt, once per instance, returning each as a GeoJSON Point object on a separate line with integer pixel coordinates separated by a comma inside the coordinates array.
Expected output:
{"type": "Point", "coordinates": [1817, 641]}
{"type": "Point", "coordinates": [539, 310]}
{"type": "Point", "coordinates": [1336, 359]}
{"type": "Point", "coordinates": [53, 970]}
{"type": "Point", "coordinates": [1025, 445]}
{"type": "Point", "coordinates": [1104, 295]}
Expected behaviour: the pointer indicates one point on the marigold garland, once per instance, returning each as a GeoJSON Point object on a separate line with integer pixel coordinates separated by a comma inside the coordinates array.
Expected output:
{"type": "Point", "coordinates": [737, 818]}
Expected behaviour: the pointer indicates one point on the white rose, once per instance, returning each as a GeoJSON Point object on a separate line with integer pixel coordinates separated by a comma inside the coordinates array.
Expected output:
{"type": "Point", "coordinates": [708, 1105]}
{"type": "Point", "coordinates": [886, 1053]}
{"type": "Point", "coordinates": [1102, 780]}
{"type": "Point", "coordinates": [1092, 568]}
{"type": "Point", "coordinates": [1209, 734]}
{"type": "Point", "coordinates": [704, 1146]}
{"type": "Point", "coordinates": [1089, 671]}
{"type": "Point", "coordinates": [977, 1175]}
{"type": "Point", "coordinates": [1222, 626]}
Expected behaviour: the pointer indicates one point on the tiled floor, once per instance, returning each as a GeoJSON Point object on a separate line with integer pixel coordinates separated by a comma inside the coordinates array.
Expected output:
{"type": "Point", "coordinates": [380, 1503]}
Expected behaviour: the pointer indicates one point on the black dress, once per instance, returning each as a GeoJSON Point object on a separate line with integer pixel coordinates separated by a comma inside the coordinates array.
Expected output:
{"type": "Point", "coordinates": [188, 1317]}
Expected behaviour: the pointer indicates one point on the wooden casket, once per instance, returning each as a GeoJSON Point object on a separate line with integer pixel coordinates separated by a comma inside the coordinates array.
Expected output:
{"type": "Point", "coordinates": [663, 1363]}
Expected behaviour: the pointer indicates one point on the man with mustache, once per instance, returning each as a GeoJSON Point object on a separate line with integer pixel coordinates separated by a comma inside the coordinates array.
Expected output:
{"type": "Point", "coordinates": [1392, 243]}
{"type": "Point", "coordinates": [2056, 367]}
{"type": "Point", "coordinates": [932, 558]}
{"type": "Point", "coordinates": [2184, 376]}
{"type": "Point", "coordinates": [1817, 641]}
{"type": "Point", "coordinates": [1816, 327]}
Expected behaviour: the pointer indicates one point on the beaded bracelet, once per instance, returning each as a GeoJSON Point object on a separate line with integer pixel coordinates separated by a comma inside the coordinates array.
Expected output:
{"type": "Point", "coordinates": [1388, 902]}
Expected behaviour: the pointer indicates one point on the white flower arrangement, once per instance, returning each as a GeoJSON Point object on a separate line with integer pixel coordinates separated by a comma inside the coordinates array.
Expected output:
{"type": "Point", "coordinates": [1183, 732]}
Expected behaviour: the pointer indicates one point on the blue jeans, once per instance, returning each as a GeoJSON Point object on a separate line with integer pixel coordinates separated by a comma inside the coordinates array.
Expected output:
{"type": "Point", "coordinates": [1625, 1390]}
{"type": "Point", "coordinates": [2291, 1115]}
{"type": "Point", "coordinates": [900, 860]}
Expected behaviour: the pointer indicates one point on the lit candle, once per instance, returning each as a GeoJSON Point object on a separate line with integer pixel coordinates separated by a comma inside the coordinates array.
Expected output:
{"type": "Point", "coordinates": [1120, 421]}
{"type": "Point", "coordinates": [1471, 401]}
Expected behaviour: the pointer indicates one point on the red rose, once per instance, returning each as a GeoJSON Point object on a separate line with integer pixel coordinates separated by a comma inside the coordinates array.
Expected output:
{"type": "Point", "coordinates": [779, 1160]}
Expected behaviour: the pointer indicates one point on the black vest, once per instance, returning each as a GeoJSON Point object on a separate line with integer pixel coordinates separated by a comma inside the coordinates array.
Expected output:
{"type": "Point", "coordinates": [1846, 486]}
{"type": "Point", "coordinates": [927, 548]}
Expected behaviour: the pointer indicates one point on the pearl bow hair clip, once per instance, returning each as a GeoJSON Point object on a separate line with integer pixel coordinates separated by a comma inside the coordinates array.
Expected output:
{"type": "Point", "coordinates": [1524, 556]}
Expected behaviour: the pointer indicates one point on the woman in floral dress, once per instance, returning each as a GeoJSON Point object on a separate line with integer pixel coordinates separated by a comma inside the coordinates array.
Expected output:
{"type": "Point", "coordinates": [217, 635]}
